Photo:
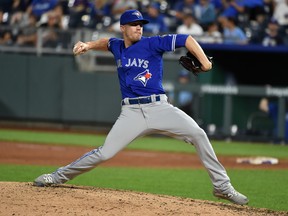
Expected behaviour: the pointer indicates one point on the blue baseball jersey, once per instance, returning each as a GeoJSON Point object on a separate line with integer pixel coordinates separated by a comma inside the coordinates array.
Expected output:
{"type": "Point", "coordinates": [140, 66]}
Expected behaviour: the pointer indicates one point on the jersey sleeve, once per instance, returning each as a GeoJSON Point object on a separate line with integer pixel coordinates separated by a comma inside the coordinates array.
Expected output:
{"type": "Point", "coordinates": [167, 43]}
{"type": "Point", "coordinates": [181, 40]}
{"type": "Point", "coordinates": [111, 43]}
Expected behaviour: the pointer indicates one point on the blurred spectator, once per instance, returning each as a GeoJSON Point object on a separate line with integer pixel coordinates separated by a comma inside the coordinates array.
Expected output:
{"type": "Point", "coordinates": [156, 19]}
{"type": "Point", "coordinates": [171, 3]}
{"type": "Point", "coordinates": [119, 6]}
{"type": "Point", "coordinates": [28, 33]}
{"type": "Point", "coordinates": [272, 36]}
{"type": "Point", "coordinates": [280, 13]}
{"type": "Point", "coordinates": [116, 9]}
{"type": "Point", "coordinates": [269, 6]}
{"type": "Point", "coordinates": [271, 108]}
{"type": "Point", "coordinates": [79, 11]}
{"type": "Point", "coordinates": [19, 18]}
{"type": "Point", "coordinates": [217, 5]}
{"type": "Point", "coordinates": [5, 33]}
{"type": "Point", "coordinates": [3, 20]}
{"type": "Point", "coordinates": [205, 13]}
{"type": "Point", "coordinates": [257, 28]}
{"type": "Point", "coordinates": [100, 14]}
{"type": "Point", "coordinates": [231, 8]}
{"type": "Point", "coordinates": [182, 98]}
{"type": "Point", "coordinates": [248, 8]}
{"type": "Point", "coordinates": [181, 8]}
{"type": "Point", "coordinates": [115, 26]}
{"type": "Point", "coordinates": [190, 26]}
{"type": "Point", "coordinates": [18, 15]}
{"type": "Point", "coordinates": [185, 97]}
{"type": "Point", "coordinates": [39, 7]}
{"type": "Point", "coordinates": [6, 37]}
{"type": "Point", "coordinates": [253, 8]}
{"type": "Point", "coordinates": [50, 35]}
{"type": "Point", "coordinates": [212, 34]}
{"type": "Point", "coordinates": [57, 11]}
{"type": "Point", "coordinates": [232, 34]}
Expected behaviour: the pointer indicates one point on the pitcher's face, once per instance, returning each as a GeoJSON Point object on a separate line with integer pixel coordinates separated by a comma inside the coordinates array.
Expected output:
{"type": "Point", "coordinates": [132, 32]}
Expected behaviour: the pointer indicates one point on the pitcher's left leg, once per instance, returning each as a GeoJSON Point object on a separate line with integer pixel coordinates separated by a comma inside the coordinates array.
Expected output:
{"type": "Point", "coordinates": [178, 124]}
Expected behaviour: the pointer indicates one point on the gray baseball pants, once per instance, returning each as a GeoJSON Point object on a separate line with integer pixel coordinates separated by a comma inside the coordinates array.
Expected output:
{"type": "Point", "coordinates": [142, 119]}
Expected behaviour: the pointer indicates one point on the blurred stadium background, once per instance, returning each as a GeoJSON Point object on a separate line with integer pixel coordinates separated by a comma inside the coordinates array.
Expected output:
{"type": "Point", "coordinates": [43, 84]}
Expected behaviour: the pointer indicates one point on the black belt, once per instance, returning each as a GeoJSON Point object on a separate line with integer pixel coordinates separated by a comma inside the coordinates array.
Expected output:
{"type": "Point", "coordinates": [142, 100]}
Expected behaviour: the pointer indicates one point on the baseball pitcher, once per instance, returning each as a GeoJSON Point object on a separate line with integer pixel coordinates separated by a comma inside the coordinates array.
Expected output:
{"type": "Point", "coordinates": [145, 108]}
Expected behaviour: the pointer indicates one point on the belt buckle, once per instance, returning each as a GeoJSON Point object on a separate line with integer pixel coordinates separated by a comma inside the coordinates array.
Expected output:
{"type": "Point", "coordinates": [148, 99]}
{"type": "Point", "coordinates": [144, 100]}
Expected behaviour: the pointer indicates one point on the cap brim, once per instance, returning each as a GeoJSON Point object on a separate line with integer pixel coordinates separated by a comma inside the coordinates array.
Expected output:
{"type": "Point", "coordinates": [144, 21]}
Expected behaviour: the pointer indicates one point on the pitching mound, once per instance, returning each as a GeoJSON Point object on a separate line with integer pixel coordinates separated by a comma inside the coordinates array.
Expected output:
{"type": "Point", "coordinates": [24, 199]}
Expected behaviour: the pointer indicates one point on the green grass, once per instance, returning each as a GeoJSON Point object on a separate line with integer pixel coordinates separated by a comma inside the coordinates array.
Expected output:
{"type": "Point", "coordinates": [51, 137]}
{"type": "Point", "coordinates": [146, 143]}
{"type": "Point", "coordinates": [265, 188]}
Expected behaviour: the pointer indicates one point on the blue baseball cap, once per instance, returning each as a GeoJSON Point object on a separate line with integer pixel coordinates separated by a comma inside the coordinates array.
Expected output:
{"type": "Point", "coordinates": [130, 16]}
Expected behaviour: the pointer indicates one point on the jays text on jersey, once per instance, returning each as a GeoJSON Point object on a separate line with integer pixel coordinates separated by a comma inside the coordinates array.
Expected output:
{"type": "Point", "coordinates": [140, 66]}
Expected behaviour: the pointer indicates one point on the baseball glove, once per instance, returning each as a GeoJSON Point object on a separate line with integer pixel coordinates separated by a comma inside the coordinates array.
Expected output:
{"type": "Point", "coordinates": [191, 63]}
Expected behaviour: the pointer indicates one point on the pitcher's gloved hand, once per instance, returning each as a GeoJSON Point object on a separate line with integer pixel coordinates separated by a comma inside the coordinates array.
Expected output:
{"type": "Point", "coordinates": [191, 63]}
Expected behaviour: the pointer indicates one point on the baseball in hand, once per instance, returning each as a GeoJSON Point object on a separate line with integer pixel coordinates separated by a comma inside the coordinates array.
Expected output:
{"type": "Point", "coordinates": [80, 48]}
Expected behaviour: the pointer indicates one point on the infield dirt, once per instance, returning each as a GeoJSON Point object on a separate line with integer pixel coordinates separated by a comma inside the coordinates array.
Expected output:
{"type": "Point", "coordinates": [23, 199]}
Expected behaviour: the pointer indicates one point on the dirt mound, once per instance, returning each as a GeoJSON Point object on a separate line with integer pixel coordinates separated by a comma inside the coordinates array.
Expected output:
{"type": "Point", "coordinates": [25, 199]}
